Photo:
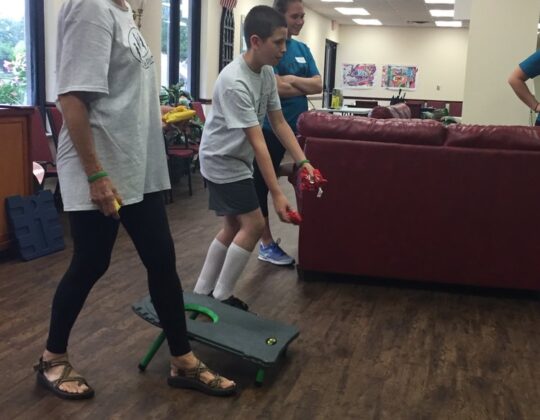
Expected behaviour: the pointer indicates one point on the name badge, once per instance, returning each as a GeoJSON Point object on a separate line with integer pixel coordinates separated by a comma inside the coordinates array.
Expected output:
{"type": "Point", "coordinates": [300, 60]}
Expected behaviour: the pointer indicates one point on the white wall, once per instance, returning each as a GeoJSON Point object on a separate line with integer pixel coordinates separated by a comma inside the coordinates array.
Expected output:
{"type": "Point", "coordinates": [493, 54]}
{"type": "Point", "coordinates": [439, 53]}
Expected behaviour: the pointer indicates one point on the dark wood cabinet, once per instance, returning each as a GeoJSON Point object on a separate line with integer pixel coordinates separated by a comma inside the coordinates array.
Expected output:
{"type": "Point", "coordinates": [15, 164]}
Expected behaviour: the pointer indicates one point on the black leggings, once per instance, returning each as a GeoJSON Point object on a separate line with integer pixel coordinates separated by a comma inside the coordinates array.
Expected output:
{"type": "Point", "coordinates": [93, 239]}
{"type": "Point", "coordinates": [277, 151]}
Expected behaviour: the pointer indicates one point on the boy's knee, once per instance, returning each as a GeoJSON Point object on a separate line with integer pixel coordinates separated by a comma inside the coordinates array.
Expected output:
{"type": "Point", "coordinates": [258, 226]}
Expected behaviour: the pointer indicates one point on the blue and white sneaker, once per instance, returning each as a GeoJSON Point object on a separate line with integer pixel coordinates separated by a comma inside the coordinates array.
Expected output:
{"type": "Point", "coordinates": [274, 254]}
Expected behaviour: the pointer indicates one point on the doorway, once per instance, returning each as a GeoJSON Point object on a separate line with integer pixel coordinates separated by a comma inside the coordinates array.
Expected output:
{"type": "Point", "coordinates": [329, 78]}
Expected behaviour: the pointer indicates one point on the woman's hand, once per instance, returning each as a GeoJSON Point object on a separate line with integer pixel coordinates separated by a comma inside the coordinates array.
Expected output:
{"type": "Point", "coordinates": [104, 195]}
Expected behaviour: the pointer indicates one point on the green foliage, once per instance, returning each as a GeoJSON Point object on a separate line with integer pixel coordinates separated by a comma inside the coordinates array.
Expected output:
{"type": "Point", "coordinates": [11, 32]}
{"type": "Point", "coordinates": [175, 95]}
{"type": "Point", "coordinates": [12, 62]}
{"type": "Point", "coordinates": [13, 88]}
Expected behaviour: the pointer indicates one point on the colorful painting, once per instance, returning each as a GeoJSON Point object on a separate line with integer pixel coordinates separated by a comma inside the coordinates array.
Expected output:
{"type": "Point", "coordinates": [359, 75]}
{"type": "Point", "coordinates": [399, 77]}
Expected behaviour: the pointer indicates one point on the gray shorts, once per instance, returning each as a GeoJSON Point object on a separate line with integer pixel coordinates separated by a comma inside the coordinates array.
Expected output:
{"type": "Point", "coordinates": [232, 198]}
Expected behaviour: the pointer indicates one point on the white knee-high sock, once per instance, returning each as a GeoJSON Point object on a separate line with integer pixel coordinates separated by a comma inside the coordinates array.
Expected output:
{"type": "Point", "coordinates": [211, 268]}
{"type": "Point", "coordinates": [235, 262]}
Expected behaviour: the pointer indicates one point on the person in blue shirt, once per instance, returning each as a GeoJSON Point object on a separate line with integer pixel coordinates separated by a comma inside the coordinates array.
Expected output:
{"type": "Point", "coordinates": [527, 69]}
{"type": "Point", "coordinates": [297, 76]}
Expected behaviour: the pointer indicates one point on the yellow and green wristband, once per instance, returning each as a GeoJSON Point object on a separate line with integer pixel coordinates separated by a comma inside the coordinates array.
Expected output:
{"type": "Point", "coordinates": [301, 163]}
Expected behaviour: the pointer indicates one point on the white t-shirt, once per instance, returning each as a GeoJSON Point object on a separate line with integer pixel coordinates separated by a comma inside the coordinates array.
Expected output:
{"type": "Point", "coordinates": [101, 52]}
{"type": "Point", "coordinates": [241, 100]}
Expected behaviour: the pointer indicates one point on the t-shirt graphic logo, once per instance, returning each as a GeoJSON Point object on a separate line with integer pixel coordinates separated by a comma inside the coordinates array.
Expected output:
{"type": "Point", "coordinates": [139, 49]}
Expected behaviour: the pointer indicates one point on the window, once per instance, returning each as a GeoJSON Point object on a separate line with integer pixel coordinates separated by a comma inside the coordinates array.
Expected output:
{"type": "Point", "coordinates": [180, 27]}
{"type": "Point", "coordinates": [14, 86]}
{"type": "Point", "coordinates": [226, 43]}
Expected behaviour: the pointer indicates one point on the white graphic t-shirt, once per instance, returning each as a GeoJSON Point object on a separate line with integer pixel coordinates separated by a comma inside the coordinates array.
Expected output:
{"type": "Point", "coordinates": [241, 99]}
{"type": "Point", "coordinates": [102, 53]}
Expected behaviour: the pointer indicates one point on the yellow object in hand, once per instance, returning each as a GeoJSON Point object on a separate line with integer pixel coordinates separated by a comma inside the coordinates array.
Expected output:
{"type": "Point", "coordinates": [116, 205]}
{"type": "Point", "coordinates": [177, 115]}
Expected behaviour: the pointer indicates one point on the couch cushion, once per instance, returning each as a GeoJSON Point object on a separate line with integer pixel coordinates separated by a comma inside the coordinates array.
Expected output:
{"type": "Point", "coordinates": [400, 110]}
{"type": "Point", "coordinates": [494, 137]}
{"type": "Point", "coordinates": [380, 112]}
{"type": "Point", "coordinates": [405, 131]}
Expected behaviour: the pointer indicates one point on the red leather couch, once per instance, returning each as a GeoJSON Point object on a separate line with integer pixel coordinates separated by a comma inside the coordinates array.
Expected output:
{"type": "Point", "coordinates": [415, 200]}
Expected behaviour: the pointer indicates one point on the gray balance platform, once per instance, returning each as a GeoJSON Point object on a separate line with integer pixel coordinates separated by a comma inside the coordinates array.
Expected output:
{"type": "Point", "coordinates": [242, 333]}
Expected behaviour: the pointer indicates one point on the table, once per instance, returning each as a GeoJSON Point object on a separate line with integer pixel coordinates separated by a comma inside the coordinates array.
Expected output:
{"type": "Point", "coordinates": [346, 110]}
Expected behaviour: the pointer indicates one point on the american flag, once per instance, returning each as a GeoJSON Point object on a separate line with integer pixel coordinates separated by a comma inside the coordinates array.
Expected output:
{"type": "Point", "coordinates": [229, 4]}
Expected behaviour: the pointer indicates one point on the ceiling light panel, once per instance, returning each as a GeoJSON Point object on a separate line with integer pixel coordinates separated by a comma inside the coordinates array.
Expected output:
{"type": "Point", "coordinates": [441, 13]}
{"type": "Point", "coordinates": [352, 11]}
{"type": "Point", "coordinates": [371, 22]}
{"type": "Point", "coordinates": [449, 23]}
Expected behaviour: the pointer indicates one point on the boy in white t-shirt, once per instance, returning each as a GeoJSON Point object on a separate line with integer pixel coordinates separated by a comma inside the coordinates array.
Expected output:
{"type": "Point", "coordinates": [245, 92]}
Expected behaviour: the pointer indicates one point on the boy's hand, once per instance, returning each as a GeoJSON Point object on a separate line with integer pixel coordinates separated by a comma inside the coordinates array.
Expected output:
{"type": "Point", "coordinates": [282, 206]}
{"type": "Point", "coordinates": [309, 168]}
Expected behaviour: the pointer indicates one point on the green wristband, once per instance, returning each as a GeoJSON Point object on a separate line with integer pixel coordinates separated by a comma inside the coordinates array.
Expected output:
{"type": "Point", "coordinates": [96, 176]}
{"type": "Point", "coordinates": [302, 162]}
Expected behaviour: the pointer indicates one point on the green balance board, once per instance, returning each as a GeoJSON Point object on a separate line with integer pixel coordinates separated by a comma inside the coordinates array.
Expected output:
{"type": "Point", "coordinates": [239, 332]}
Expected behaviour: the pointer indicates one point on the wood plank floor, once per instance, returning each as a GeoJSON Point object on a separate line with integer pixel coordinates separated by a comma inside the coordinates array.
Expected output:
{"type": "Point", "coordinates": [365, 351]}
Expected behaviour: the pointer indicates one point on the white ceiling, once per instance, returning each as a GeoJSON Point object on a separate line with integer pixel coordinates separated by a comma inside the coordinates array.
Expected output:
{"type": "Point", "coordinates": [389, 12]}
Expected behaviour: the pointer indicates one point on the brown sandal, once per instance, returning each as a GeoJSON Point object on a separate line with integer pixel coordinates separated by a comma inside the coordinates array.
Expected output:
{"type": "Point", "coordinates": [54, 386]}
{"type": "Point", "coordinates": [191, 378]}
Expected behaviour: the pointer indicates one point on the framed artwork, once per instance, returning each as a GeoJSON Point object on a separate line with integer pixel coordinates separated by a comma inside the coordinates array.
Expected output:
{"type": "Point", "coordinates": [358, 76]}
{"type": "Point", "coordinates": [399, 77]}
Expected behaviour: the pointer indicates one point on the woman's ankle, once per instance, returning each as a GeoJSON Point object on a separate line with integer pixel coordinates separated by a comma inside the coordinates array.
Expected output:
{"type": "Point", "coordinates": [48, 355]}
{"type": "Point", "coordinates": [185, 360]}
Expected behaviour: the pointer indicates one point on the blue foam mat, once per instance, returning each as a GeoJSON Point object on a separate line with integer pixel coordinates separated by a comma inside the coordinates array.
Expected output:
{"type": "Point", "coordinates": [35, 224]}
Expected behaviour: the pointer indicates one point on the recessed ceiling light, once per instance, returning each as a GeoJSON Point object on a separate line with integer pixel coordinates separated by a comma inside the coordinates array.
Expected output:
{"type": "Point", "coordinates": [375, 22]}
{"type": "Point", "coordinates": [441, 13]}
{"type": "Point", "coordinates": [449, 23]}
{"type": "Point", "coordinates": [439, 1]}
{"type": "Point", "coordinates": [358, 11]}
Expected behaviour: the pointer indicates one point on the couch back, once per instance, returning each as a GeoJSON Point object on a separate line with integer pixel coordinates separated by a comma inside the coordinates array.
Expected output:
{"type": "Point", "coordinates": [418, 132]}
{"type": "Point", "coordinates": [325, 125]}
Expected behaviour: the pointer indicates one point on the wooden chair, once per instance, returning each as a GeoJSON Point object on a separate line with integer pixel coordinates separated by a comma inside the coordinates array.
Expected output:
{"type": "Point", "coordinates": [179, 152]}
{"type": "Point", "coordinates": [56, 120]}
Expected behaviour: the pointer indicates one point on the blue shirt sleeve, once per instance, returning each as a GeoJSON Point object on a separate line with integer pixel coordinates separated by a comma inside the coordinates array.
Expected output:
{"type": "Point", "coordinates": [531, 65]}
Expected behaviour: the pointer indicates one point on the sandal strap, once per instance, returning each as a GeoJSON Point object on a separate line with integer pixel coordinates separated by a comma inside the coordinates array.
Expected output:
{"type": "Point", "coordinates": [44, 365]}
{"type": "Point", "coordinates": [216, 382]}
{"type": "Point", "coordinates": [79, 379]}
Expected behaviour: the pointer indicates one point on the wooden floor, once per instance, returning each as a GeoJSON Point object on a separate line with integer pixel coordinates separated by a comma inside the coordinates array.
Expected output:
{"type": "Point", "coordinates": [365, 351]}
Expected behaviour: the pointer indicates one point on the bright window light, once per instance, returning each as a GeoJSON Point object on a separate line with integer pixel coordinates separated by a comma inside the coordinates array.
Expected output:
{"type": "Point", "coordinates": [441, 13]}
{"type": "Point", "coordinates": [439, 1]}
{"type": "Point", "coordinates": [374, 22]}
{"type": "Point", "coordinates": [358, 11]}
{"type": "Point", "coordinates": [449, 23]}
